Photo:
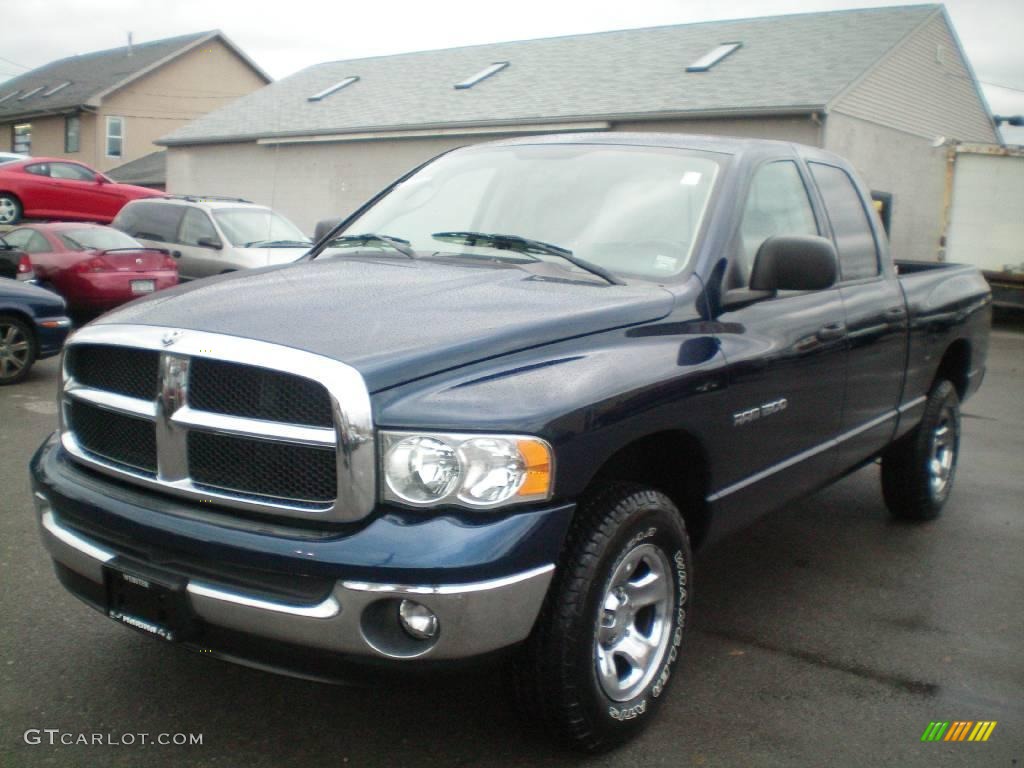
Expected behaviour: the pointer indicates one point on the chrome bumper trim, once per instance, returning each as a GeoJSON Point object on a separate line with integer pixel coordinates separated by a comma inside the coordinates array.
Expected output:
{"type": "Point", "coordinates": [475, 618]}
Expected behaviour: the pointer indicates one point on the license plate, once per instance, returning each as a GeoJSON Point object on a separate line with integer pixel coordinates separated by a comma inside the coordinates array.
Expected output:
{"type": "Point", "coordinates": [143, 286]}
{"type": "Point", "coordinates": [156, 605]}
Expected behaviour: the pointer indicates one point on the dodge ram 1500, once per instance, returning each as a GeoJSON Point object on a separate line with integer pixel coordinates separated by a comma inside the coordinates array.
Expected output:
{"type": "Point", "coordinates": [490, 412]}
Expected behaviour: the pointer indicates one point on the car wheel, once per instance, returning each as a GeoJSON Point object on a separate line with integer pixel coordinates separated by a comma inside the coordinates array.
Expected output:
{"type": "Point", "coordinates": [17, 349]}
{"type": "Point", "coordinates": [918, 469]}
{"type": "Point", "coordinates": [601, 656]}
{"type": "Point", "coordinates": [10, 209]}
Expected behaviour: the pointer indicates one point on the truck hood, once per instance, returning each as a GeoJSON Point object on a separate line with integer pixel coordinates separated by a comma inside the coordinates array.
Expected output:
{"type": "Point", "coordinates": [395, 320]}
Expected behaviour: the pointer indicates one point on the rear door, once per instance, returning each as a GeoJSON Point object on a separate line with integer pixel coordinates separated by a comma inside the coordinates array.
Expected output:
{"type": "Point", "coordinates": [786, 363]}
{"type": "Point", "coordinates": [876, 317]}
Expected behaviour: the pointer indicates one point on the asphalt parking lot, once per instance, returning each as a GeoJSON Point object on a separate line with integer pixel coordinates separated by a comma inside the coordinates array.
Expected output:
{"type": "Point", "coordinates": [824, 635]}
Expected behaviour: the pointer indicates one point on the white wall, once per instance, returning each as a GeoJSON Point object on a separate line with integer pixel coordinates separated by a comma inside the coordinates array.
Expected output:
{"type": "Point", "coordinates": [905, 165]}
{"type": "Point", "coordinates": [314, 181]}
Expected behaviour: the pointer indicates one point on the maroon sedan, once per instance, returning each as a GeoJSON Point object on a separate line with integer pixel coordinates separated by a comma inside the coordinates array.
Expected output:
{"type": "Point", "coordinates": [52, 188]}
{"type": "Point", "coordinates": [95, 268]}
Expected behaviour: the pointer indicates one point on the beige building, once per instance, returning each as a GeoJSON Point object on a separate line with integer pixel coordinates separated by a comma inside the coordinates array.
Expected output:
{"type": "Point", "coordinates": [107, 108]}
{"type": "Point", "coordinates": [878, 86]}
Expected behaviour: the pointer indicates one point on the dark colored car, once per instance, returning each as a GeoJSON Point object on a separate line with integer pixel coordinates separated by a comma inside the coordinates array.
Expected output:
{"type": "Point", "coordinates": [54, 188]}
{"type": "Point", "coordinates": [92, 266]}
{"type": "Point", "coordinates": [492, 411]}
{"type": "Point", "coordinates": [33, 325]}
{"type": "Point", "coordinates": [14, 263]}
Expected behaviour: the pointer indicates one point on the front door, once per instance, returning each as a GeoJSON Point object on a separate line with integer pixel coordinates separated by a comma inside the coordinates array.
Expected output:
{"type": "Point", "coordinates": [786, 361]}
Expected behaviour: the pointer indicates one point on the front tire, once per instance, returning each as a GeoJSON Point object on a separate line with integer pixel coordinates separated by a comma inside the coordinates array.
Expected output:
{"type": "Point", "coordinates": [918, 469]}
{"type": "Point", "coordinates": [602, 654]}
{"type": "Point", "coordinates": [17, 349]}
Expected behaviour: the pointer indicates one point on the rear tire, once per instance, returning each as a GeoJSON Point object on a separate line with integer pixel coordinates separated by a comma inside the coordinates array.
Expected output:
{"type": "Point", "coordinates": [918, 469]}
{"type": "Point", "coordinates": [602, 653]}
{"type": "Point", "coordinates": [17, 349]}
{"type": "Point", "coordinates": [10, 209]}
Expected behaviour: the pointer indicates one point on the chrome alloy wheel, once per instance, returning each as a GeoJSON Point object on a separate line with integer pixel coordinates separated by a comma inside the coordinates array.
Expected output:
{"type": "Point", "coordinates": [8, 210]}
{"type": "Point", "coordinates": [14, 350]}
{"type": "Point", "coordinates": [943, 454]}
{"type": "Point", "coordinates": [634, 624]}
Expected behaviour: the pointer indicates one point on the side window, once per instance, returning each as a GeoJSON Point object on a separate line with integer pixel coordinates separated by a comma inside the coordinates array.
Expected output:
{"type": "Point", "coordinates": [855, 242]}
{"type": "Point", "coordinates": [27, 240]}
{"type": "Point", "coordinates": [196, 226]}
{"type": "Point", "coordinates": [151, 221]}
{"type": "Point", "coordinates": [39, 169]}
{"type": "Point", "coordinates": [71, 171]}
{"type": "Point", "coordinates": [776, 205]}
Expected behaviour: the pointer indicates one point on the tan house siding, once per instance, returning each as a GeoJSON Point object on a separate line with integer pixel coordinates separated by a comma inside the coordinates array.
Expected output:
{"type": "Point", "coordinates": [199, 81]}
{"type": "Point", "coordinates": [923, 87]}
{"type": "Point", "coordinates": [48, 137]}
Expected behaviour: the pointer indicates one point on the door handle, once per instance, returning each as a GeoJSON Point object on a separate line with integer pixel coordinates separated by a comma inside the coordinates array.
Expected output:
{"type": "Point", "coordinates": [831, 331]}
{"type": "Point", "coordinates": [896, 313]}
{"type": "Point", "coordinates": [176, 254]}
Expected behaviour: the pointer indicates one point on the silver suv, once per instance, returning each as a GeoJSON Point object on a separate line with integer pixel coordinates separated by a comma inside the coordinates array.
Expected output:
{"type": "Point", "coordinates": [212, 235]}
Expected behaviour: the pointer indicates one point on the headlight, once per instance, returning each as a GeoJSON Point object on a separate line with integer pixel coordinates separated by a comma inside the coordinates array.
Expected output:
{"type": "Point", "coordinates": [479, 471]}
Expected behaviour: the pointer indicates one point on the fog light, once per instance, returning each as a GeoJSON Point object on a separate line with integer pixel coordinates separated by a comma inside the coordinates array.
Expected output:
{"type": "Point", "coordinates": [418, 620]}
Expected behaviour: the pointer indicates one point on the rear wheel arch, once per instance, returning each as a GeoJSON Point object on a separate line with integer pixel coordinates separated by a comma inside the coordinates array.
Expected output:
{"type": "Point", "coordinates": [955, 366]}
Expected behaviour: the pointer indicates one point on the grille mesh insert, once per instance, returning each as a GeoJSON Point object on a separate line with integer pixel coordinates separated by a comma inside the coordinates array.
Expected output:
{"type": "Point", "coordinates": [127, 371]}
{"type": "Point", "coordinates": [260, 468]}
{"type": "Point", "coordinates": [113, 436]}
{"type": "Point", "coordinates": [257, 393]}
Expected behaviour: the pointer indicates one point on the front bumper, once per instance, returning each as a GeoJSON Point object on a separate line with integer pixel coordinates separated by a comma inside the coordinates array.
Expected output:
{"type": "Point", "coordinates": [339, 608]}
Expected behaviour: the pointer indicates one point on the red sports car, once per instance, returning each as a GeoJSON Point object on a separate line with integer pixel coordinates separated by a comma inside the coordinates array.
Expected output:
{"type": "Point", "coordinates": [51, 188]}
{"type": "Point", "coordinates": [95, 268]}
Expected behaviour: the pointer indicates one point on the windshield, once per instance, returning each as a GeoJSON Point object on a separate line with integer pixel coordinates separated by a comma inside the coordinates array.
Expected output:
{"type": "Point", "coordinates": [631, 210]}
{"type": "Point", "coordinates": [98, 238]}
{"type": "Point", "coordinates": [255, 226]}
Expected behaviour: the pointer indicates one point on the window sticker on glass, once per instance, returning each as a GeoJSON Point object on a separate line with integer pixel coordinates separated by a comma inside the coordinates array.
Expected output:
{"type": "Point", "coordinates": [690, 179]}
{"type": "Point", "coordinates": [665, 263]}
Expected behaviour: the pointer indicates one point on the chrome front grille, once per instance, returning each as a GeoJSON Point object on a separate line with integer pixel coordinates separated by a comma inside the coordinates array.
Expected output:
{"type": "Point", "coordinates": [237, 422]}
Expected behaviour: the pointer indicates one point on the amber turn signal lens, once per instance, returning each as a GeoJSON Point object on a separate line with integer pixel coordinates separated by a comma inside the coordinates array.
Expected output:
{"type": "Point", "coordinates": [538, 468]}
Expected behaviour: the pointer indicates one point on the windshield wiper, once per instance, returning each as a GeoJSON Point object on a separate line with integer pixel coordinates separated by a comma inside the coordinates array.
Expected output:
{"type": "Point", "coordinates": [278, 244]}
{"type": "Point", "coordinates": [400, 245]}
{"type": "Point", "coordinates": [525, 245]}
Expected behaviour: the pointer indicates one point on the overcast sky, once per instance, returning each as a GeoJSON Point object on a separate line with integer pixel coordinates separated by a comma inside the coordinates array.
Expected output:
{"type": "Point", "coordinates": [285, 37]}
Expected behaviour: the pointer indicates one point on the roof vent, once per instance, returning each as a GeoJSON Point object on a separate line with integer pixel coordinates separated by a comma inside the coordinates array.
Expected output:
{"type": "Point", "coordinates": [33, 92]}
{"type": "Point", "coordinates": [8, 96]}
{"type": "Point", "coordinates": [483, 74]}
{"type": "Point", "coordinates": [712, 57]}
{"type": "Point", "coordinates": [332, 89]}
{"type": "Point", "coordinates": [57, 88]}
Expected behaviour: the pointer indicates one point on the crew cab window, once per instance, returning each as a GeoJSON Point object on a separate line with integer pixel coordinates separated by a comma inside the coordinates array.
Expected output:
{"type": "Point", "coordinates": [855, 242]}
{"type": "Point", "coordinates": [71, 171]}
{"type": "Point", "coordinates": [27, 240]}
{"type": "Point", "coordinates": [196, 226]}
{"type": "Point", "coordinates": [150, 221]}
{"type": "Point", "coordinates": [776, 205]}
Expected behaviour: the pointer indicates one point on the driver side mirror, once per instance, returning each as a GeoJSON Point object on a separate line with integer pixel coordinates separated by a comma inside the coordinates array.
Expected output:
{"type": "Point", "coordinates": [209, 242]}
{"type": "Point", "coordinates": [795, 263]}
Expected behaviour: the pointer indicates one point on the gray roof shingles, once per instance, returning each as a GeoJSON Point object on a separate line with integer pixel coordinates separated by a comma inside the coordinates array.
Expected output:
{"type": "Point", "coordinates": [786, 62]}
{"type": "Point", "coordinates": [88, 73]}
{"type": "Point", "coordinates": [148, 169]}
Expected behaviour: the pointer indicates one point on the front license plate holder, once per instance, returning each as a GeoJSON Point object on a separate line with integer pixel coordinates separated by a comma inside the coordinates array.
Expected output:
{"type": "Point", "coordinates": [143, 286]}
{"type": "Point", "coordinates": [153, 603]}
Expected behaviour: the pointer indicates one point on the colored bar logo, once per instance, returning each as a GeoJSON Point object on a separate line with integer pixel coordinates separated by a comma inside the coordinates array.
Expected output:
{"type": "Point", "coordinates": [959, 730]}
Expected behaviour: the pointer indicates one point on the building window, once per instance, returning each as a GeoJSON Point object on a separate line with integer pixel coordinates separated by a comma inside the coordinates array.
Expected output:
{"type": "Point", "coordinates": [22, 142]}
{"type": "Point", "coordinates": [72, 131]}
{"type": "Point", "coordinates": [115, 136]}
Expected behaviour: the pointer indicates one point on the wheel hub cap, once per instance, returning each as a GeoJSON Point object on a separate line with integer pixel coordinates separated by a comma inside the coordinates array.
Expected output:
{"type": "Point", "coordinates": [634, 623]}
{"type": "Point", "coordinates": [13, 350]}
{"type": "Point", "coordinates": [943, 454]}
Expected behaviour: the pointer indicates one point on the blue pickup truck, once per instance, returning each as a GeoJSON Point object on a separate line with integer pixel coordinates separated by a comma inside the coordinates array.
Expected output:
{"type": "Point", "coordinates": [490, 413]}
